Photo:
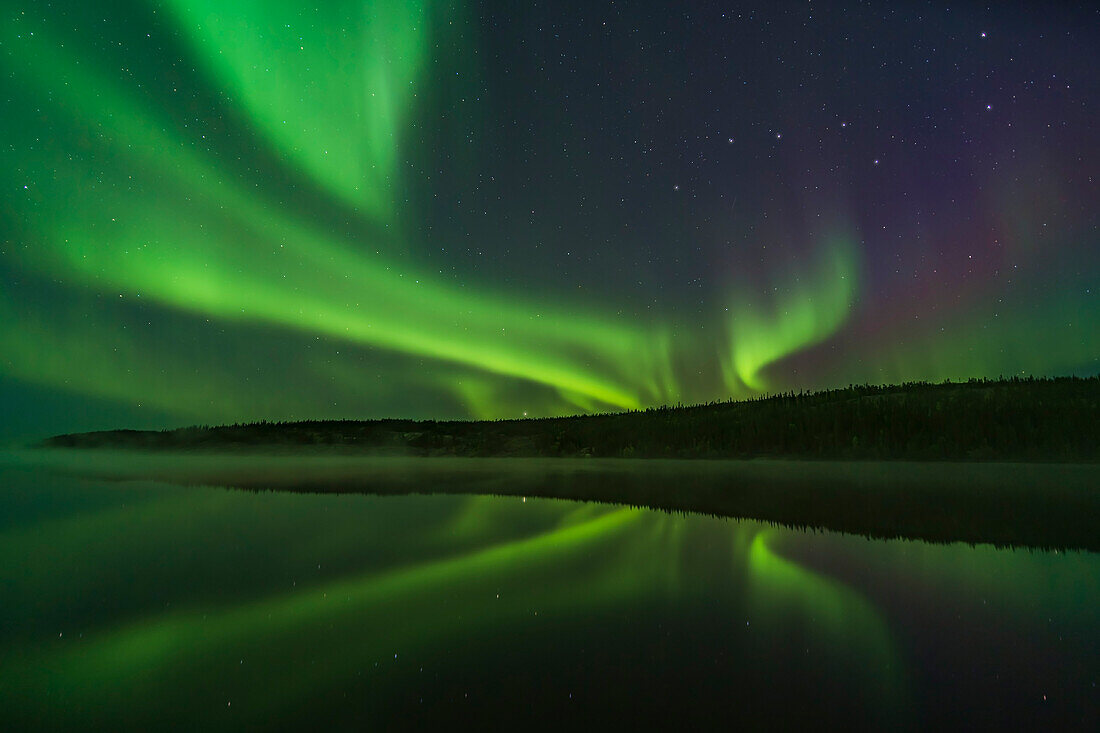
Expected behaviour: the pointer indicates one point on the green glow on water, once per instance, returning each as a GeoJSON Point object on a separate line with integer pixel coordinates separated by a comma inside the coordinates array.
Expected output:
{"type": "Point", "coordinates": [782, 594]}
{"type": "Point", "coordinates": [132, 601]}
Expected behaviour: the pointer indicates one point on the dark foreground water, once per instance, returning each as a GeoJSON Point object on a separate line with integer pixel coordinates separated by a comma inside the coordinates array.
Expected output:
{"type": "Point", "coordinates": [144, 605]}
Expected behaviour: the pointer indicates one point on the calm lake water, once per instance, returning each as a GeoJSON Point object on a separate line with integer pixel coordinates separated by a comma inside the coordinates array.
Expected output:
{"type": "Point", "coordinates": [143, 605]}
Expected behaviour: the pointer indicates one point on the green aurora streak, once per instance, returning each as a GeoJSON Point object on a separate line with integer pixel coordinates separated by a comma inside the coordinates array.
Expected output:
{"type": "Point", "coordinates": [143, 213]}
{"type": "Point", "coordinates": [121, 192]}
{"type": "Point", "coordinates": [284, 271]}
{"type": "Point", "coordinates": [812, 312]}
{"type": "Point", "coordinates": [335, 85]}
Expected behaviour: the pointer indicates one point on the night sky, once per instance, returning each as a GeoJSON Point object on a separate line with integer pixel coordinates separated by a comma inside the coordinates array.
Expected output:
{"type": "Point", "coordinates": [264, 209]}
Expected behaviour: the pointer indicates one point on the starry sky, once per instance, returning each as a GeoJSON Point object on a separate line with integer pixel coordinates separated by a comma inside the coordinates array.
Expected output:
{"type": "Point", "coordinates": [266, 209]}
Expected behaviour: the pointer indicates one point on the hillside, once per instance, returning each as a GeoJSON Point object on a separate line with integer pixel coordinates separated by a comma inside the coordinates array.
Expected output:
{"type": "Point", "coordinates": [1017, 419]}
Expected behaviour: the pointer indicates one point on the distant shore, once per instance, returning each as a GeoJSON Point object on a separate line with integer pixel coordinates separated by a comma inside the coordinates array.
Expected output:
{"type": "Point", "coordinates": [1031, 420]}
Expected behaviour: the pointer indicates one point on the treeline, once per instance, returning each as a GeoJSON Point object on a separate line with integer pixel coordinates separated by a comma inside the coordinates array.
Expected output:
{"type": "Point", "coordinates": [1005, 419]}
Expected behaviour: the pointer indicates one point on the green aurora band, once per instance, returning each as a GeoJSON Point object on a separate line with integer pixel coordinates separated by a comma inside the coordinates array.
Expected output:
{"type": "Point", "coordinates": [284, 221]}
{"type": "Point", "coordinates": [813, 311]}
{"type": "Point", "coordinates": [335, 85]}
{"type": "Point", "coordinates": [131, 240]}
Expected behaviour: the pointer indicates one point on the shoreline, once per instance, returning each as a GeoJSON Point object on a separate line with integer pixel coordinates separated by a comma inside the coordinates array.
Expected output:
{"type": "Point", "coordinates": [1008, 504]}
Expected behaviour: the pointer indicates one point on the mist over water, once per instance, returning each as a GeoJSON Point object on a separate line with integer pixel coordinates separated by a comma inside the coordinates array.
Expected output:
{"type": "Point", "coordinates": [1034, 505]}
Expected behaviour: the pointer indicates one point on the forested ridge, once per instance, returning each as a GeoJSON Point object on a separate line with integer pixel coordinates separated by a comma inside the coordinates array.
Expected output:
{"type": "Point", "coordinates": [1007, 419]}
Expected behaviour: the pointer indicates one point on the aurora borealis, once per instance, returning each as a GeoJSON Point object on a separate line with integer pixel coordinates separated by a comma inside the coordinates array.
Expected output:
{"type": "Point", "coordinates": [269, 210]}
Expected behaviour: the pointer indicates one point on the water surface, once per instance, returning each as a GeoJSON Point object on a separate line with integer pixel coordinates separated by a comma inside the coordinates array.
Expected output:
{"type": "Point", "coordinates": [128, 604]}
